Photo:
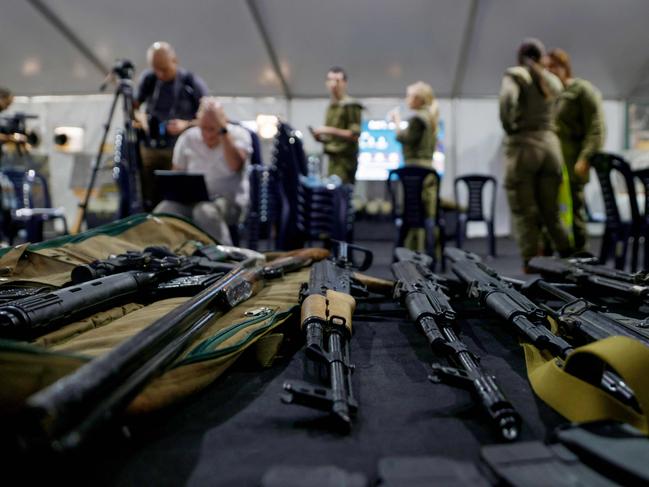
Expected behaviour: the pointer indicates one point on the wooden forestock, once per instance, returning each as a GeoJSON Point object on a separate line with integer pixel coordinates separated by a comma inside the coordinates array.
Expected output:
{"type": "Point", "coordinates": [313, 306]}
{"type": "Point", "coordinates": [375, 284]}
{"type": "Point", "coordinates": [340, 308]}
{"type": "Point", "coordinates": [335, 308]}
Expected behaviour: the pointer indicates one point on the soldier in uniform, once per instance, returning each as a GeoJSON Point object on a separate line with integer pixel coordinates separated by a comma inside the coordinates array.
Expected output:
{"type": "Point", "coordinates": [342, 127]}
{"type": "Point", "coordinates": [581, 129]}
{"type": "Point", "coordinates": [418, 142]}
{"type": "Point", "coordinates": [533, 170]}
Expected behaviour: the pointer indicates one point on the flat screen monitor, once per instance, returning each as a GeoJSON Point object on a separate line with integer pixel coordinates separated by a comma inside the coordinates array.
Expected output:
{"type": "Point", "coordinates": [379, 151]}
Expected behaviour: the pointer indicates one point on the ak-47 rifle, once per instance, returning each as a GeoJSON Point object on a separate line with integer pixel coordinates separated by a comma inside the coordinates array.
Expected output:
{"type": "Point", "coordinates": [326, 318]}
{"type": "Point", "coordinates": [529, 319]}
{"type": "Point", "coordinates": [64, 414]}
{"type": "Point", "coordinates": [421, 293]}
{"type": "Point", "coordinates": [155, 273]}
{"type": "Point", "coordinates": [587, 273]}
{"type": "Point", "coordinates": [584, 320]}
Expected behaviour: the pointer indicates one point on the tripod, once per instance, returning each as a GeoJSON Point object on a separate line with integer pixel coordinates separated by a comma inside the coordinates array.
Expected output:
{"type": "Point", "coordinates": [126, 159]}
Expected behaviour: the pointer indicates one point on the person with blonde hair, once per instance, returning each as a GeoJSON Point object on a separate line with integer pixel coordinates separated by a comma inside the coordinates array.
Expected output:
{"type": "Point", "coordinates": [220, 151]}
{"type": "Point", "coordinates": [418, 141]}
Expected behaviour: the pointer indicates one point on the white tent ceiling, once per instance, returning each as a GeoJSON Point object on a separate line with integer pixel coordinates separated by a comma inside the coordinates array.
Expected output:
{"type": "Point", "coordinates": [283, 47]}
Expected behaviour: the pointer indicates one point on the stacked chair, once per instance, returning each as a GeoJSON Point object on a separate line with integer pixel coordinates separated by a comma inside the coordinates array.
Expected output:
{"type": "Point", "coordinates": [325, 211]}
{"type": "Point", "coordinates": [307, 209]}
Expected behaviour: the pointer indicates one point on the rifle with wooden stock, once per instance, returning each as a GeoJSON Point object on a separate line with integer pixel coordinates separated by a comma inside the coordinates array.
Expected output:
{"type": "Point", "coordinates": [326, 321]}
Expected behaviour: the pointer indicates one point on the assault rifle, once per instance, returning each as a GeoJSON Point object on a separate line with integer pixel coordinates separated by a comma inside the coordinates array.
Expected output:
{"type": "Point", "coordinates": [584, 320]}
{"type": "Point", "coordinates": [326, 317]}
{"type": "Point", "coordinates": [152, 274]}
{"type": "Point", "coordinates": [529, 319]}
{"type": "Point", "coordinates": [63, 415]}
{"type": "Point", "coordinates": [588, 273]}
{"type": "Point", "coordinates": [421, 293]}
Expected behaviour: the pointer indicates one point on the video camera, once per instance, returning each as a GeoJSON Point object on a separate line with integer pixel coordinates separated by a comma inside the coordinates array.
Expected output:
{"type": "Point", "coordinates": [16, 124]}
{"type": "Point", "coordinates": [124, 69]}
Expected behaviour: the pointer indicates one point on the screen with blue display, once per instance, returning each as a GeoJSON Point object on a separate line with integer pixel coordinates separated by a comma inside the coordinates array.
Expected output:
{"type": "Point", "coordinates": [379, 151]}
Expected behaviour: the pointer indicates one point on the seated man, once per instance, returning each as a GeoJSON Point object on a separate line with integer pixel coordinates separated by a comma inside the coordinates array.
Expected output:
{"type": "Point", "coordinates": [220, 151]}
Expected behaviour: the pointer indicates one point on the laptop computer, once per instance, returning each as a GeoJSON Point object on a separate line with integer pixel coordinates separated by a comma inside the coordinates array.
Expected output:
{"type": "Point", "coordinates": [183, 187]}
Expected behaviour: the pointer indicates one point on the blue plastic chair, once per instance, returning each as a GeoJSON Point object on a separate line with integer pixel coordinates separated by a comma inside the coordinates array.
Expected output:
{"type": "Point", "coordinates": [413, 214]}
{"type": "Point", "coordinates": [34, 206]}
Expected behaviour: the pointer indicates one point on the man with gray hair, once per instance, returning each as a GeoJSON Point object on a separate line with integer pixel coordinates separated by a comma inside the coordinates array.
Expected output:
{"type": "Point", "coordinates": [172, 95]}
{"type": "Point", "coordinates": [220, 151]}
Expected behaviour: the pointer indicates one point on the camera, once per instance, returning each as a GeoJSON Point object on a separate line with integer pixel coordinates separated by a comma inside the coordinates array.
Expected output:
{"type": "Point", "coordinates": [15, 124]}
{"type": "Point", "coordinates": [157, 135]}
{"type": "Point", "coordinates": [124, 69]}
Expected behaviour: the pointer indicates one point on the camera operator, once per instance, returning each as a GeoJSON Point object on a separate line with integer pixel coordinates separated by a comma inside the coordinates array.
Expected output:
{"type": "Point", "coordinates": [6, 98]}
{"type": "Point", "coordinates": [172, 95]}
{"type": "Point", "coordinates": [13, 128]}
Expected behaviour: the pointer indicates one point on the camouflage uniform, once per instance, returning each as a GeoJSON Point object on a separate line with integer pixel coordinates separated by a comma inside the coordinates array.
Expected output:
{"type": "Point", "coordinates": [418, 142]}
{"type": "Point", "coordinates": [343, 154]}
{"type": "Point", "coordinates": [533, 170]}
{"type": "Point", "coordinates": [581, 130]}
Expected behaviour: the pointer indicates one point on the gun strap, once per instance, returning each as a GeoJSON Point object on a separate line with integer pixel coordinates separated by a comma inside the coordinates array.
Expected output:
{"type": "Point", "coordinates": [564, 389]}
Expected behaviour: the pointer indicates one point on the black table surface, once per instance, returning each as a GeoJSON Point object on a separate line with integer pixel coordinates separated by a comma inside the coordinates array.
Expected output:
{"type": "Point", "coordinates": [237, 428]}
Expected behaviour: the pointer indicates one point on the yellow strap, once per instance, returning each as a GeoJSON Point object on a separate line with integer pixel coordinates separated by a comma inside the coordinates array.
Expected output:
{"type": "Point", "coordinates": [561, 388]}
{"type": "Point", "coordinates": [565, 204]}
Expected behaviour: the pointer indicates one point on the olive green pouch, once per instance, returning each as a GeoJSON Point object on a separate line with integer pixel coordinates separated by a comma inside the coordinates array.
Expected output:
{"type": "Point", "coordinates": [25, 368]}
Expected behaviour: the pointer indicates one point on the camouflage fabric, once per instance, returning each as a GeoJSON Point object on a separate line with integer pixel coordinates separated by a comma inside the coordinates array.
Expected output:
{"type": "Point", "coordinates": [533, 171]}
{"type": "Point", "coordinates": [532, 179]}
{"type": "Point", "coordinates": [344, 167]}
{"type": "Point", "coordinates": [344, 114]}
{"type": "Point", "coordinates": [419, 138]}
{"type": "Point", "coordinates": [581, 129]}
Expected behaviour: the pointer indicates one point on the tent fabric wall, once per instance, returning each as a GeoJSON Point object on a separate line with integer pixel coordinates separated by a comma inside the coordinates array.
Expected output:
{"type": "Point", "coordinates": [248, 47]}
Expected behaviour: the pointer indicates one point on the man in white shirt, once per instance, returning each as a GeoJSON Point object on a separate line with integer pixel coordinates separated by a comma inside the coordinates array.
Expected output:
{"type": "Point", "coordinates": [220, 151]}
